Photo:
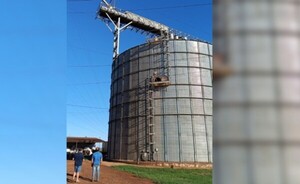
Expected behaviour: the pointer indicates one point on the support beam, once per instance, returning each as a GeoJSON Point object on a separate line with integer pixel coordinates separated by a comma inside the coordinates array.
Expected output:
{"type": "Point", "coordinates": [137, 21]}
{"type": "Point", "coordinates": [107, 13]}
{"type": "Point", "coordinates": [117, 30]}
{"type": "Point", "coordinates": [116, 40]}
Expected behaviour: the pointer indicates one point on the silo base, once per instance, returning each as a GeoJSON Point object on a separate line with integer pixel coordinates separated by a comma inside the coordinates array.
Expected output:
{"type": "Point", "coordinates": [191, 165]}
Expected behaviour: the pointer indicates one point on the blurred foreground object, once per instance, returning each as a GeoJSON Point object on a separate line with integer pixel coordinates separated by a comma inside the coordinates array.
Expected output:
{"type": "Point", "coordinates": [257, 104]}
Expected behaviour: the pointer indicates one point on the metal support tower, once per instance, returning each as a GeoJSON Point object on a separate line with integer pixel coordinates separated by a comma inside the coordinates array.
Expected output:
{"type": "Point", "coordinates": [116, 31]}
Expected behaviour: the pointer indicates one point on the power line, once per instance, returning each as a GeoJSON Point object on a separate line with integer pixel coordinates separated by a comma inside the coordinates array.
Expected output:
{"type": "Point", "coordinates": [81, 12]}
{"type": "Point", "coordinates": [147, 9]}
{"type": "Point", "coordinates": [84, 106]}
{"type": "Point", "coordinates": [91, 118]}
{"type": "Point", "coordinates": [172, 19]}
{"type": "Point", "coordinates": [90, 121]}
{"type": "Point", "coordinates": [88, 83]}
{"type": "Point", "coordinates": [89, 50]}
{"type": "Point", "coordinates": [84, 66]}
{"type": "Point", "coordinates": [79, 0]}
{"type": "Point", "coordinates": [172, 7]}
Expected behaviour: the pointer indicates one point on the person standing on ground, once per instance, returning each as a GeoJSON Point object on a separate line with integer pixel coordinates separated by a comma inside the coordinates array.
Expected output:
{"type": "Point", "coordinates": [78, 158]}
{"type": "Point", "coordinates": [96, 161]}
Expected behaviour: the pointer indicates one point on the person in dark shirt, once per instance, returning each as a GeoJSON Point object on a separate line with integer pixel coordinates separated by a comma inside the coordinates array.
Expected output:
{"type": "Point", "coordinates": [78, 158]}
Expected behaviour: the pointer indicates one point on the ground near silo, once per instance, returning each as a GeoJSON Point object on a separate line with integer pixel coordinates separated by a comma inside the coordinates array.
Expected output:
{"type": "Point", "coordinates": [108, 174]}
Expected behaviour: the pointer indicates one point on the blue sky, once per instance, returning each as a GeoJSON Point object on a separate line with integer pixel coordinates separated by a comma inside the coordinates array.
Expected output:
{"type": "Point", "coordinates": [90, 53]}
{"type": "Point", "coordinates": [32, 92]}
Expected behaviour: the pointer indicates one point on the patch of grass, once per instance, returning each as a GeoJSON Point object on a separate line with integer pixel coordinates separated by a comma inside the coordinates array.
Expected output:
{"type": "Point", "coordinates": [171, 176]}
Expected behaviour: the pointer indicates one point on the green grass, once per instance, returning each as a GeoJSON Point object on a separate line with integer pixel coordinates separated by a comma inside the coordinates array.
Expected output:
{"type": "Point", "coordinates": [171, 176]}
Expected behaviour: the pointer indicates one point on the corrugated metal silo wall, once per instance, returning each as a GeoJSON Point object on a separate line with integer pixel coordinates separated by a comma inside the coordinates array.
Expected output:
{"type": "Point", "coordinates": [182, 111]}
{"type": "Point", "coordinates": [256, 106]}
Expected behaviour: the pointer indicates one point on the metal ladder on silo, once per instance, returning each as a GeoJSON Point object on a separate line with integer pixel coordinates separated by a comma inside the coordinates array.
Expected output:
{"type": "Point", "coordinates": [150, 122]}
{"type": "Point", "coordinates": [166, 54]}
{"type": "Point", "coordinates": [150, 97]}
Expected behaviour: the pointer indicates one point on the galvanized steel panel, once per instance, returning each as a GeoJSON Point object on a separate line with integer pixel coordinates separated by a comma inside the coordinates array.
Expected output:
{"type": "Point", "coordinates": [182, 111]}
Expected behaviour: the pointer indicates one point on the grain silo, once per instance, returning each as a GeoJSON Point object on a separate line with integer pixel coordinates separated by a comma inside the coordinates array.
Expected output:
{"type": "Point", "coordinates": [161, 94]}
{"type": "Point", "coordinates": [162, 110]}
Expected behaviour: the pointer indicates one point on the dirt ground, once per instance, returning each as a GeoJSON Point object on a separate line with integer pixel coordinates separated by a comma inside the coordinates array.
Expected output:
{"type": "Point", "coordinates": [108, 175]}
